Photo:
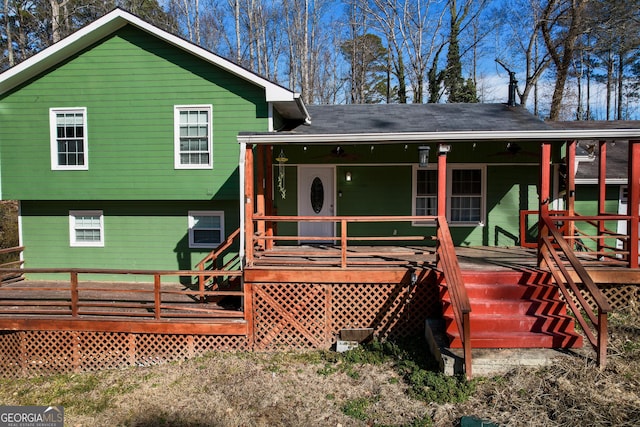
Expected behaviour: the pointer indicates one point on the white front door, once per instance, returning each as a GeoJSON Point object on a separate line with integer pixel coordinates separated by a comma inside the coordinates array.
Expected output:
{"type": "Point", "coordinates": [316, 197]}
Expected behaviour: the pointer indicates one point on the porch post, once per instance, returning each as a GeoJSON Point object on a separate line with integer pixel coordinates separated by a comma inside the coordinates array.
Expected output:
{"type": "Point", "coordinates": [249, 205]}
{"type": "Point", "coordinates": [602, 190]}
{"type": "Point", "coordinates": [442, 181]}
{"type": "Point", "coordinates": [633, 201]}
{"type": "Point", "coordinates": [260, 193]}
{"type": "Point", "coordinates": [544, 196]}
{"type": "Point", "coordinates": [269, 195]}
{"type": "Point", "coordinates": [571, 184]}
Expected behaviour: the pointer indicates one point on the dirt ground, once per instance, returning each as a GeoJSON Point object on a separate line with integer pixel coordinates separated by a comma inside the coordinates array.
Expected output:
{"type": "Point", "coordinates": [311, 389]}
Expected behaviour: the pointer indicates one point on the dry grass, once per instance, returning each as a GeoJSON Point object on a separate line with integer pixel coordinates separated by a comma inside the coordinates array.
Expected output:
{"type": "Point", "coordinates": [317, 389]}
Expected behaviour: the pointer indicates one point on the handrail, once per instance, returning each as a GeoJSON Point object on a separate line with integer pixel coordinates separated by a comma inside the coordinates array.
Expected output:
{"type": "Point", "coordinates": [110, 301]}
{"type": "Point", "coordinates": [213, 258]}
{"type": "Point", "coordinates": [344, 238]}
{"type": "Point", "coordinates": [447, 261]}
{"type": "Point", "coordinates": [11, 277]}
{"type": "Point", "coordinates": [565, 283]}
{"type": "Point", "coordinates": [602, 233]}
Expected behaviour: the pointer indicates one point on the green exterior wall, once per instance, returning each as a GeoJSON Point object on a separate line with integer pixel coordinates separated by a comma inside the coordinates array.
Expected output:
{"type": "Point", "coordinates": [129, 84]}
{"type": "Point", "coordinates": [143, 235]}
{"type": "Point", "coordinates": [382, 185]}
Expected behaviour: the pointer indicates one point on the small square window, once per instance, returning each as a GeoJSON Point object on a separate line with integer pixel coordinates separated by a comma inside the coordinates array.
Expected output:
{"type": "Point", "coordinates": [86, 228]}
{"type": "Point", "coordinates": [206, 229]}
{"type": "Point", "coordinates": [68, 138]}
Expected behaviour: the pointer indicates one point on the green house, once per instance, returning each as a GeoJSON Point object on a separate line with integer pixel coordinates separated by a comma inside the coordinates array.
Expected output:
{"type": "Point", "coordinates": [120, 144]}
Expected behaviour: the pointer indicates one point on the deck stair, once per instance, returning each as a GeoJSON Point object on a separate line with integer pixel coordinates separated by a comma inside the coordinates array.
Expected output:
{"type": "Point", "coordinates": [512, 310]}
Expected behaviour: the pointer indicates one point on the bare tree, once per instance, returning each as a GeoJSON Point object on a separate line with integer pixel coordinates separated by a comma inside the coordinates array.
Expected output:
{"type": "Point", "coordinates": [521, 38]}
{"type": "Point", "coordinates": [562, 22]}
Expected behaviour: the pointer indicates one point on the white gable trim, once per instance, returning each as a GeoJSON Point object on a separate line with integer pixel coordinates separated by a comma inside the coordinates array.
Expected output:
{"type": "Point", "coordinates": [111, 22]}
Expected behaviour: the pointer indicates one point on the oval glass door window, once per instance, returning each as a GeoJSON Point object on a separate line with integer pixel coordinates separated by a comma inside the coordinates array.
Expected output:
{"type": "Point", "coordinates": [317, 195]}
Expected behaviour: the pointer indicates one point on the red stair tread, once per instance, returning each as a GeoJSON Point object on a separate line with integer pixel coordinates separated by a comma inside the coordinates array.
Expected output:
{"type": "Point", "coordinates": [514, 323]}
{"type": "Point", "coordinates": [520, 340]}
{"type": "Point", "coordinates": [511, 310]}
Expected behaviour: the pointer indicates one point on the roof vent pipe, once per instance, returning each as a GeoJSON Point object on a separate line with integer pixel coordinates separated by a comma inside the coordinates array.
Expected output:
{"type": "Point", "coordinates": [513, 85]}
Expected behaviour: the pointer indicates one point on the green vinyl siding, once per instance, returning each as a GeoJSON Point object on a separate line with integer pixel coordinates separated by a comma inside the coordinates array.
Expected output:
{"type": "Point", "coordinates": [387, 190]}
{"type": "Point", "coordinates": [129, 84]}
{"type": "Point", "coordinates": [587, 204]}
{"type": "Point", "coordinates": [146, 235]}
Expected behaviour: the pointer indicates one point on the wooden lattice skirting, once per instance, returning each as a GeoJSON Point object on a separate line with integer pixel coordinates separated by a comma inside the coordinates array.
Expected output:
{"type": "Point", "coordinates": [285, 316]}
{"type": "Point", "coordinates": [31, 353]}
{"type": "Point", "coordinates": [305, 315]}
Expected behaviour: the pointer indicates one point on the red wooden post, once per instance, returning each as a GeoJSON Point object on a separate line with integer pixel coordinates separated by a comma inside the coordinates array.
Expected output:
{"type": "Point", "coordinates": [248, 299]}
{"type": "Point", "coordinates": [343, 243]}
{"type": "Point", "coordinates": [248, 204]}
{"type": "Point", "coordinates": [74, 294]}
{"type": "Point", "coordinates": [156, 295]}
{"type": "Point", "coordinates": [269, 196]}
{"type": "Point", "coordinates": [633, 201]}
{"type": "Point", "coordinates": [602, 339]}
{"type": "Point", "coordinates": [466, 327]}
{"type": "Point", "coordinates": [571, 184]}
{"type": "Point", "coordinates": [544, 196]}
{"type": "Point", "coordinates": [602, 191]}
{"type": "Point", "coordinates": [260, 192]}
{"type": "Point", "coordinates": [442, 183]}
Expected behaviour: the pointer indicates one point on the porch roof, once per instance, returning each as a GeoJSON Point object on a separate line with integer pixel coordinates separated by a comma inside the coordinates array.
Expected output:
{"type": "Point", "coordinates": [401, 123]}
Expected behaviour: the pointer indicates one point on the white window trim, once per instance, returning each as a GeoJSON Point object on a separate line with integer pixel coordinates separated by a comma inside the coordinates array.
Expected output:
{"type": "Point", "coordinates": [414, 193]}
{"type": "Point", "coordinates": [72, 228]}
{"type": "Point", "coordinates": [53, 134]}
{"type": "Point", "coordinates": [191, 223]}
{"type": "Point", "coordinates": [450, 167]}
{"type": "Point", "coordinates": [176, 135]}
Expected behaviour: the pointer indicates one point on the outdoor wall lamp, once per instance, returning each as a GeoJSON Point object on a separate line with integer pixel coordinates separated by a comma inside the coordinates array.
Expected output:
{"type": "Point", "coordinates": [347, 177]}
{"type": "Point", "coordinates": [423, 155]}
{"type": "Point", "coordinates": [444, 148]}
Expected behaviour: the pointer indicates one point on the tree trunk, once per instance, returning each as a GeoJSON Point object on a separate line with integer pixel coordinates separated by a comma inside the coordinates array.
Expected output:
{"type": "Point", "coordinates": [7, 23]}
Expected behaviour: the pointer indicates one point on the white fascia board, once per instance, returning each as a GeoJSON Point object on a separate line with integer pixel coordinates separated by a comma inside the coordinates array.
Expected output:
{"type": "Point", "coordinates": [459, 136]}
{"type": "Point", "coordinates": [610, 181]}
{"type": "Point", "coordinates": [111, 22]}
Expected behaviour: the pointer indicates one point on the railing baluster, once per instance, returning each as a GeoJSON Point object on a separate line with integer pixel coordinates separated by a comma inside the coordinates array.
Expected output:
{"type": "Point", "coordinates": [343, 243]}
{"type": "Point", "coordinates": [74, 294]}
{"type": "Point", "coordinates": [156, 295]}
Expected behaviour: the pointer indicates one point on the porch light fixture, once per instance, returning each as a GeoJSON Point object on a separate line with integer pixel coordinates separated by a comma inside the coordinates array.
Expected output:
{"type": "Point", "coordinates": [347, 176]}
{"type": "Point", "coordinates": [444, 148]}
{"type": "Point", "coordinates": [423, 155]}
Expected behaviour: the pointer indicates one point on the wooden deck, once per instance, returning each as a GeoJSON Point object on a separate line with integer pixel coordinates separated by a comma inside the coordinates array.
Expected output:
{"type": "Point", "coordinates": [174, 308]}
{"type": "Point", "coordinates": [117, 307]}
{"type": "Point", "coordinates": [381, 258]}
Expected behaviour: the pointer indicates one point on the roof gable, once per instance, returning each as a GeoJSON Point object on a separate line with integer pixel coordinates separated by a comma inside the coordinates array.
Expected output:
{"type": "Point", "coordinates": [119, 18]}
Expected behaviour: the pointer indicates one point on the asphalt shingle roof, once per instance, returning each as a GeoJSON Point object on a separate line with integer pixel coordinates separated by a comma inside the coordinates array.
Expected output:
{"type": "Point", "coordinates": [397, 118]}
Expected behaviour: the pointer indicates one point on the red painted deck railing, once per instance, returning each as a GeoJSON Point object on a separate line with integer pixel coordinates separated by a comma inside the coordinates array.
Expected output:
{"type": "Point", "coordinates": [448, 264]}
{"type": "Point", "coordinates": [557, 253]}
{"type": "Point", "coordinates": [211, 263]}
{"type": "Point", "coordinates": [588, 235]}
{"type": "Point", "coordinates": [343, 238]}
{"type": "Point", "coordinates": [10, 258]}
{"type": "Point", "coordinates": [141, 300]}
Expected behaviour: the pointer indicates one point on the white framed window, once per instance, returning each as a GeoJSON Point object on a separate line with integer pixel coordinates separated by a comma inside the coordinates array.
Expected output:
{"type": "Point", "coordinates": [206, 229]}
{"type": "Point", "coordinates": [426, 192]}
{"type": "Point", "coordinates": [466, 194]}
{"type": "Point", "coordinates": [466, 190]}
{"type": "Point", "coordinates": [86, 228]}
{"type": "Point", "coordinates": [68, 128]}
{"type": "Point", "coordinates": [193, 137]}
